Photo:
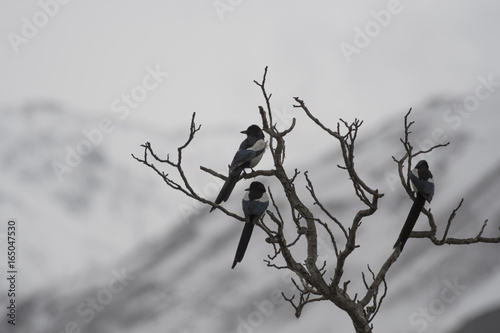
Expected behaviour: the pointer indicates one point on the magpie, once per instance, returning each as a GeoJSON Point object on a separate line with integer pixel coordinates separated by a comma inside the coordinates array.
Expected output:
{"type": "Point", "coordinates": [423, 185]}
{"type": "Point", "coordinates": [247, 156]}
{"type": "Point", "coordinates": [255, 203]}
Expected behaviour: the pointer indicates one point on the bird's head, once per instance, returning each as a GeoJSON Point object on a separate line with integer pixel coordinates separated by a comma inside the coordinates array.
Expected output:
{"type": "Point", "coordinates": [422, 165]}
{"type": "Point", "coordinates": [256, 187]}
{"type": "Point", "coordinates": [253, 130]}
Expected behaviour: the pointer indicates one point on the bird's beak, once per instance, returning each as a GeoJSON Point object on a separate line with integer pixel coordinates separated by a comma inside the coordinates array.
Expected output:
{"type": "Point", "coordinates": [247, 189]}
{"type": "Point", "coordinates": [244, 132]}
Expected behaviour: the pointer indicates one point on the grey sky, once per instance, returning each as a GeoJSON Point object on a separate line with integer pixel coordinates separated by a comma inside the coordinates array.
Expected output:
{"type": "Point", "coordinates": [90, 53]}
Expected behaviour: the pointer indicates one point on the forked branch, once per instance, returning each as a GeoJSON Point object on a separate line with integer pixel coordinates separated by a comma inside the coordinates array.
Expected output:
{"type": "Point", "coordinates": [293, 224]}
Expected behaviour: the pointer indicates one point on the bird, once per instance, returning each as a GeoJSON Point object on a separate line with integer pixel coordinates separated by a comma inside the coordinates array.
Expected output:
{"type": "Point", "coordinates": [248, 155]}
{"type": "Point", "coordinates": [255, 203]}
{"type": "Point", "coordinates": [423, 184]}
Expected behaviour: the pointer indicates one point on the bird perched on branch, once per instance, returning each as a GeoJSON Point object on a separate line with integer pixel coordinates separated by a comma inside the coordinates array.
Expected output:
{"type": "Point", "coordinates": [423, 185]}
{"type": "Point", "coordinates": [255, 203]}
{"type": "Point", "coordinates": [247, 156]}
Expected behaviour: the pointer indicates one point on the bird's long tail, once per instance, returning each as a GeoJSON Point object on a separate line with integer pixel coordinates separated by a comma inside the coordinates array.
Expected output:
{"type": "Point", "coordinates": [243, 244]}
{"type": "Point", "coordinates": [228, 187]}
{"type": "Point", "coordinates": [415, 210]}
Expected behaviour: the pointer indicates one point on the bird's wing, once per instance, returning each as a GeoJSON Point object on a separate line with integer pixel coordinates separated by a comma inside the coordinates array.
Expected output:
{"type": "Point", "coordinates": [424, 187]}
{"type": "Point", "coordinates": [254, 148]}
{"type": "Point", "coordinates": [242, 156]}
{"type": "Point", "coordinates": [257, 208]}
{"type": "Point", "coordinates": [246, 207]}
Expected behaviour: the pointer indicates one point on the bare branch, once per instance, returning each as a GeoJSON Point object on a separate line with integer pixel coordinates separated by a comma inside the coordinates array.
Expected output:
{"type": "Point", "coordinates": [405, 182]}
{"type": "Point", "coordinates": [452, 216]}
{"type": "Point", "coordinates": [320, 205]}
{"type": "Point", "coordinates": [313, 286]}
{"type": "Point", "coordinates": [250, 175]}
{"type": "Point", "coordinates": [184, 187]}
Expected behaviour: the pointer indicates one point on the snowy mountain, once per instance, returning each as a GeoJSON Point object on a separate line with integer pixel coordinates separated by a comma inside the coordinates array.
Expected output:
{"type": "Point", "coordinates": [111, 249]}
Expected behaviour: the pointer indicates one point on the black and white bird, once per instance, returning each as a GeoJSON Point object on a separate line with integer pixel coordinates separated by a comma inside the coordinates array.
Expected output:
{"type": "Point", "coordinates": [423, 185]}
{"type": "Point", "coordinates": [255, 203]}
{"type": "Point", "coordinates": [248, 156]}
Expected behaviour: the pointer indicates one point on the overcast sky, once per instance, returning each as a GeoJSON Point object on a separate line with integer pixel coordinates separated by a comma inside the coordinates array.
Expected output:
{"type": "Point", "coordinates": [345, 58]}
{"type": "Point", "coordinates": [158, 61]}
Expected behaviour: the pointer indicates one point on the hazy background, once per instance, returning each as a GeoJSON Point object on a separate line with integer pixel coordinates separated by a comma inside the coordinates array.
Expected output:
{"type": "Point", "coordinates": [72, 71]}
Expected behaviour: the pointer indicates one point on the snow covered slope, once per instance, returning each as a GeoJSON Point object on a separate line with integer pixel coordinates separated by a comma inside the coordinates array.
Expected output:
{"type": "Point", "coordinates": [111, 249]}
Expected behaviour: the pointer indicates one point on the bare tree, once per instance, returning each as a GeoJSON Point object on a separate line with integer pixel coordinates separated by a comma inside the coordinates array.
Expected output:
{"type": "Point", "coordinates": [312, 281]}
